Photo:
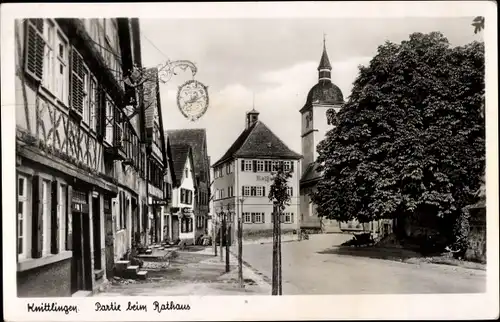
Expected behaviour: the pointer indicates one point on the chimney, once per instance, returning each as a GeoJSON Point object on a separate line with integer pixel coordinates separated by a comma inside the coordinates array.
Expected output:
{"type": "Point", "coordinates": [252, 118]}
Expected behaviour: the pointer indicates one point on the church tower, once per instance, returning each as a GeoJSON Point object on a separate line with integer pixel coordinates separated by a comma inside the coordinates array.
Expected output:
{"type": "Point", "coordinates": [321, 97]}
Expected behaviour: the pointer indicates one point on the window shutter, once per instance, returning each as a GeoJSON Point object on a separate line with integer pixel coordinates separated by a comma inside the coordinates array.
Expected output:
{"type": "Point", "coordinates": [291, 217]}
{"type": "Point", "coordinates": [282, 218]}
{"type": "Point", "coordinates": [54, 238]}
{"type": "Point", "coordinates": [291, 191]}
{"type": "Point", "coordinates": [253, 217]}
{"type": "Point", "coordinates": [242, 165]}
{"type": "Point", "coordinates": [37, 213]}
{"type": "Point", "coordinates": [69, 217]}
{"type": "Point", "coordinates": [263, 216]}
{"type": "Point", "coordinates": [264, 191]}
{"type": "Point", "coordinates": [77, 71]}
{"type": "Point", "coordinates": [34, 48]}
{"type": "Point", "coordinates": [254, 165]}
{"type": "Point", "coordinates": [125, 214]}
{"type": "Point", "coordinates": [291, 165]}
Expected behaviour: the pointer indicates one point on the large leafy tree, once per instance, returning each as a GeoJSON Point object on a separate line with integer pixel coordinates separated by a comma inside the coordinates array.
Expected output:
{"type": "Point", "coordinates": [411, 138]}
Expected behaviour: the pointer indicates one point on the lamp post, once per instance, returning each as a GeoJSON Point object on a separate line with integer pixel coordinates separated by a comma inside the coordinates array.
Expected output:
{"type": "Point", "coordinates": [240, 244]}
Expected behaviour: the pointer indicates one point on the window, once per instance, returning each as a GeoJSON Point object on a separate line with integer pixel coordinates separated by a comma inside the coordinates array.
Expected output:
{"type": "Point", "coordinates": [260, 166]}
{"type": "Point", "coordinates": [289, 191]}
{"type": "Point", "coordinates": [230, 191]}
{"type": "Point", "coordinates": [186, 173]}
{"type": "Point", "coordinates": [267, 166]}
{"type": "Point", "coordinates": [246, 191]}
{"type": "Point", "coordinates": [222, 193]}
{"type": "Point", "coordinates": [276, 165]}
{"type": "Point", "coordinates": [93, 101]}
{"type": "Point", "coordinates": [46, 56]}
{"type": "Point", "coordinates": [247, 218]}
{"type": "Point", "coordinates": [248, 165]}
{"type": "Point", "coordinates": [109, 120]}
{"type": "Point", "coordinates": [22, 216]}
{"type": "Point", "coordinates": [287, 165]}
{"type": "Point", "coordinates": [288, 217]}
{"type": "Point", "coordinates": [260, 191]}
{"type": "Point", "coordinates": [186, 225]}
{"type": "Point", "coordinates": [253, 191]}
{"type": "Point", "coordinates": [228, 168]}
{"type": "Point", "coordinates": [258, 217]}
{"type": "Point", "coordinates": [46, 217]}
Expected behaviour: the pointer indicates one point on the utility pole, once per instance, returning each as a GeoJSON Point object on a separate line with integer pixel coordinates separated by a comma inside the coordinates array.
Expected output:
{"type": "Point", "coordinates": [240, 245]}
{"type": "Point", "coordinates": [228, 213]}
{"type": "Point", "coordinates": [214, 234]}
{"type": "Point", "coordinates": [221, 232]}
{"type": "Point", "coordinates": [275, 251]}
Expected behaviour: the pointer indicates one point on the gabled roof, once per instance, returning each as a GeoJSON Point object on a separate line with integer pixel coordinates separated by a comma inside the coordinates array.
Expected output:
{"type": "Point", "coordinates": [258, 141]}
{"type": "Point", "coordinates": [197, 140]}
{"type": "Point", "coordinates": [170, 161]}
{"type": "Point", "coordinates": [180, 153]}
{"type": "Point", "coordinates": [311, 174]}
{"type": "Point", "coordinates": [151, 95]}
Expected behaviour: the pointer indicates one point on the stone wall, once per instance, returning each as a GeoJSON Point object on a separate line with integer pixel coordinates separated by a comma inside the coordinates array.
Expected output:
{"type": "Point", "coordinates": [53, 280]}
{"type": "Point", "coordinates": [477, 236]}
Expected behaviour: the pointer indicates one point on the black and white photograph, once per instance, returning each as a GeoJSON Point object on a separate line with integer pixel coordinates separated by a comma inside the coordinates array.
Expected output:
{"type": "Point", "coordinates": [238, 153]}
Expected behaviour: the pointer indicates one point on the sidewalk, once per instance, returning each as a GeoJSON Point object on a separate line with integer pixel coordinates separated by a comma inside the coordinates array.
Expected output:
{"type": "Point", "coordinates": [192, 273]}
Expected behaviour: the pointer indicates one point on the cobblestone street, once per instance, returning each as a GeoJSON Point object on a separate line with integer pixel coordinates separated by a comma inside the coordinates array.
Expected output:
{"type": "Point", "coordinates": [317, 266]}
{"type": "Point", "coordinates": [191, 273]}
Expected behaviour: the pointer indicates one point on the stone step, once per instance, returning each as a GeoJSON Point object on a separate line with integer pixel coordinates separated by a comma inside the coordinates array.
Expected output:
{"type": "Point", "coordinates": [133, 269]}
{"type": "Point", "coordinates": [121, 266]}
{"type": "Point", "coordinates": [142, 275]}
{"type": "Point", "coordinates": [82, 293]}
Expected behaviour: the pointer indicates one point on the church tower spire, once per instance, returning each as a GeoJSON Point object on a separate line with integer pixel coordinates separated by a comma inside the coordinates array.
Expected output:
{"type": "Point", "coordinates": [325, 68]}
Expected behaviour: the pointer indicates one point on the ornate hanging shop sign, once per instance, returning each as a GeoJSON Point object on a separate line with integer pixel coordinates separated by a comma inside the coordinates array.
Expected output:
{"type": "Point", "coordinates": [192, 99]}
{"type": "Point", "coordinates": [192, 96]}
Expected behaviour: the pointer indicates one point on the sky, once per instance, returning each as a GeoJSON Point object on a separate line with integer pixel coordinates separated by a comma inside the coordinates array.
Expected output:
{"type": "Point", "coordinates": [273, 60]}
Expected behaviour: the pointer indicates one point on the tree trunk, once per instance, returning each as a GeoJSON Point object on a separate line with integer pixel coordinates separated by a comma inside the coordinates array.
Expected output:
{"type": "Point", "coordinates": [275, 254]}
{"type": "Point", "coordinates": [280, 277]}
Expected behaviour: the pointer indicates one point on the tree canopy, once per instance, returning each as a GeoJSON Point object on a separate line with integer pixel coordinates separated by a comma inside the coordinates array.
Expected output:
{"type": "Point", "coordinates": [411, 138]}
{"type": "Point", "coordinates": [279, 188]}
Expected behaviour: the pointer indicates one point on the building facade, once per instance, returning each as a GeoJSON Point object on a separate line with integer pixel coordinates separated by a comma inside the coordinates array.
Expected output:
{"type": "Point", "coordinates": [197, 140]}
{"type": "Point", "coordinates": [182, 218]}
{"type": "Point", "coordinates": [159, 181]}
{"type": "Point", "coordinates": [79, 157]}
{"type": "Point", "coordinates": [243, 177]}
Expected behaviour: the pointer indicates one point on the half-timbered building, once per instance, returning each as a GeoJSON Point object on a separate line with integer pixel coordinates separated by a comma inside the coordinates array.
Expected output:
{"type": "Point", "coordinates": [80, 162]}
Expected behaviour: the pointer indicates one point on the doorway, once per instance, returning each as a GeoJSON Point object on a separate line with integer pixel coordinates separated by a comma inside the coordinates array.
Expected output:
{"type": "Point", "coordinates": [81, 273]}
{"type": "Point", "coordinates": [108, 238]}
{"type": "Point", "coordinates": [96, 225]}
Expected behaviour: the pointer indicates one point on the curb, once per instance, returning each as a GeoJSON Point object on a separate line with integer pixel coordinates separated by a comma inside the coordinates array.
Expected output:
{"type": "Point", "coordinates": [254, 270]}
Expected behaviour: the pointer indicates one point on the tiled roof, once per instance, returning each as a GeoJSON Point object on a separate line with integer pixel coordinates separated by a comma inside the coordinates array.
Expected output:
{"type": "Point", "coordinates": [197, 139]}
{"type": "Point", "coordinates": [150, 96]}
{"type": "Point", "coordinates": [180, 152]}
{"type": "Point", "coordinates": [258, 141]}
{"type": "Point", "coordinates": [311, 174]}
